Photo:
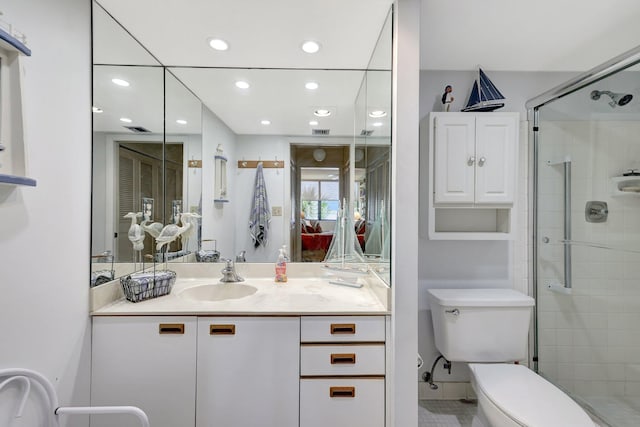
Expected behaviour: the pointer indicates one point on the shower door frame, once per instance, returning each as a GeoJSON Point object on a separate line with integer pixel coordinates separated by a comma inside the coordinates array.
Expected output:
{"type": "Point", "coordinates": [602, 71]}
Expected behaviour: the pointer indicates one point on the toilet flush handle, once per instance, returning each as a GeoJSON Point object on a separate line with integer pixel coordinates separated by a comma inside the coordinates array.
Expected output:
{"type": "Point", "coordinates": [455, 312]}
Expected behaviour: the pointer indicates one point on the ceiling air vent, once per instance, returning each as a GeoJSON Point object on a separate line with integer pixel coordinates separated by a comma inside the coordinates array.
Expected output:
{"type": "Point", "coordinates": [365, 132]}
{"type": "Point", "coordinates": [319, 131]}
{"type": "Point", "coordinates": [138, 129]}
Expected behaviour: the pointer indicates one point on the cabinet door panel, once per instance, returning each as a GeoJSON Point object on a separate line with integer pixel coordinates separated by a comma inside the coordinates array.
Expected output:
{"type": "Point", "coordinates": [454, 159]}
{"type": "Point", "coordinates": [249, 377]}
{"type": "Point", "coordinates": [136, 363]}
{"type": "Point", "coordinates": [495, 159]}
{"type": "Point", "coordinates": [349, 402]}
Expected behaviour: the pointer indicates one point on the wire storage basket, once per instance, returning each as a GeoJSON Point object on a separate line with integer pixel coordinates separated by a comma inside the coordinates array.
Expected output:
{"type": "Point", "coordinates": [146, 285]}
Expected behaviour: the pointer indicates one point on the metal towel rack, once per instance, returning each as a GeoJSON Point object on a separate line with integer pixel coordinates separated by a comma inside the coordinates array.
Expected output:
{"type": "Point", "coordinates": [566, 288]}
{"type": "Point", "coordinates": [27, 376]}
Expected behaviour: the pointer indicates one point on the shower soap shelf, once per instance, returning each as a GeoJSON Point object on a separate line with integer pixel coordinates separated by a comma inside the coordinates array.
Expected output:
{"type": "Point", "coordinates": [625, 185]}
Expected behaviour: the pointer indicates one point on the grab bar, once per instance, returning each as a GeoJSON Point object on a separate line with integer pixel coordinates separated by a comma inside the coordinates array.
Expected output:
{"type": "Point", "coordinates": [27, 375]}
{"type": "Point", "coordinates": [567, 223]}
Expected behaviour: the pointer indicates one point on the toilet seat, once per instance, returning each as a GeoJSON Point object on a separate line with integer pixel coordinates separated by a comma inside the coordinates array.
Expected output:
{"type": "Point", "coordinates": [525, 397]}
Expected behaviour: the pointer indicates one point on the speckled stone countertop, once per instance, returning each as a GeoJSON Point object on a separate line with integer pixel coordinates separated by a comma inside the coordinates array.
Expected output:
{"type": "Point", "coordinates": [307, 291]}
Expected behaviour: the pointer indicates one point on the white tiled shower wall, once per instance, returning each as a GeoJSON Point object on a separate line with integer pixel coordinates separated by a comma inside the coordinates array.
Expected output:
{"type": "Point", "coordinates": [589, 341]}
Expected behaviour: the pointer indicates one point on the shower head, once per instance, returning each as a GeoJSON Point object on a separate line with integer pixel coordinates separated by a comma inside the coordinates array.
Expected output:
{"type": "Point", "coordinates": [617, 99]}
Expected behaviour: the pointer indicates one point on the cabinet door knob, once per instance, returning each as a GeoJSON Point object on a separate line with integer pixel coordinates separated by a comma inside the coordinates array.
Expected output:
{"type": "Point", "coordinates": [481, 161]}
{"type": "Point", "coordinates": [342, 392]}
{"type": "Point", "coordinates": [171, 328]}
{"type": "Point", "coordinates": [340, 359]}
{"type": "Point", "coordinates": [222, 329]}
{"type": "Point", "coordinates": [471, 161]}
{"type": "Point", "coordinates": [343, 328]}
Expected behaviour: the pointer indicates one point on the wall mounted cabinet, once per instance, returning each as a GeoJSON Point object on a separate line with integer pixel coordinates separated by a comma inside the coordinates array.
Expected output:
{"type": "Point", "coordinates": [473, 162]}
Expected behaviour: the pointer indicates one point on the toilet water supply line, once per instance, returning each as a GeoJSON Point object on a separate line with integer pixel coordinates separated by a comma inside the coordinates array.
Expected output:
{"type": "Point", "coordinates": [26, 376]}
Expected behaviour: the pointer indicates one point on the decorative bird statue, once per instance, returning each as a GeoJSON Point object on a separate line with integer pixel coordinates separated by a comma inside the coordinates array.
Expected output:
{"type": "Point", "coordinates": [191, 218]}
{"type": "Point", "coordinates": [135, 234]}
{"type": "Point", "coordinates": [153, 229]}
{"type": "Point", "coordinates": [170, 233]}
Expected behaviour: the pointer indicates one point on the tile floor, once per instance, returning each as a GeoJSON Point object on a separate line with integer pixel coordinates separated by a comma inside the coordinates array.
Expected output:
{"type": "Point", "coordinates": [456, 413]}
{"type": "Point", "coordinates": [445, 413]}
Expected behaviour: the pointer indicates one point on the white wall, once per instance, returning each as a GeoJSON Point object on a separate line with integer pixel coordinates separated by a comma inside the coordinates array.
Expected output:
{"type": "Point", "coordinates": [218, 219]}
{"type": "Point", "coordinates": [253, 147]}
{"type": "Point", "coordinates": [473, 264]}
{"type": "Point", "coordinates": [44, 243]}
{"type": "Point", "coordinates": [403, 390]}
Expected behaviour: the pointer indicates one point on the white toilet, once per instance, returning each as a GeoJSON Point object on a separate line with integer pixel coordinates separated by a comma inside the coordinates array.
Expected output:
{"type": "Point", "coordinates": [485, 326]}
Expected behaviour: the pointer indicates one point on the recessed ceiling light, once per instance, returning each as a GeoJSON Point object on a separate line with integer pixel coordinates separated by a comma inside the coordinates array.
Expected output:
{"type": "Point", "coordinates": [181, 122]}
{"type": "Point", "coordinates": [313, 123]}
{"type": "Point", "coordinates": [218, 44]}
{"type": "Point", "coordinates": [322, 112]}
{"type": "Point", "coordinates": [96, 110]}
{"type": "Point", "coordinates": [266, 122]}
{"type": "Point", "coordinates": [310, 46]}
{"type": "Point", "coordinates": [377, 114]}
{"type": "Point", "coordinates": [242, 84]}
{"type": "Point", "coordinates": [120, 82]}
{"type": "Point", "coordinates": [126, 120]}
{"type": "Point", "coordinates": [377, 124]}
{"type": "Point", "coordinates": [311, 85]}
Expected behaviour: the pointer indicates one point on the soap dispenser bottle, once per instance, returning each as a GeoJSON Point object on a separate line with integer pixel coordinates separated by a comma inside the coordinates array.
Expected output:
{"type": "Point", "coordinates": [281, 267]}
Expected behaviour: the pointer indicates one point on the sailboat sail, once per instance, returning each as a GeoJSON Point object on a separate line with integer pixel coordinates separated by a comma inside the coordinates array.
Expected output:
{"type": "Point", "coordinates": [484, 96]}
{"type": "Point", "coordinates": [345, 254]}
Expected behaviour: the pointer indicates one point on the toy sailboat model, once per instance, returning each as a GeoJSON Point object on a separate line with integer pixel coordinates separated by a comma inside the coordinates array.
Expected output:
{"type": "Point", "coordinates": [485, 96]}
{"type": "Point", "coordinates": [345, 256]}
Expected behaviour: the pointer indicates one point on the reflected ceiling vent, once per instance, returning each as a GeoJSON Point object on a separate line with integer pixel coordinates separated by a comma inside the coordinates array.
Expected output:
{"type": "Point", "coordinates": [365, 132]}
{"type": "Point", "coordinates": [319, 131]}
{"type": "Point", "coordinates": [138, 129]}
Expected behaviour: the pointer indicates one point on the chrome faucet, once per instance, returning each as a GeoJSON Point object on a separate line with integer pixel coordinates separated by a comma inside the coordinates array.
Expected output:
{"type": "Point", "coordinates": [229, 274]}
{"type": "Point", "coordinates": [241, 256]}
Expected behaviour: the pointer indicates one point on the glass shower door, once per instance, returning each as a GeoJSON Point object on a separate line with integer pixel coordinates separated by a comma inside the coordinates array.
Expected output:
{"type": "Point", "coordinates": [587, 159]}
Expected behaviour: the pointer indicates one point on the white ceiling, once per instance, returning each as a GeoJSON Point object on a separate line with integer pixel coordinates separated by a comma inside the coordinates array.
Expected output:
{"type": "Point", "coordinates": [512, 35]}
{"type": "Point", "coordinates": [266, 34]}
{"type": "Point", "coordinates": [524, 35]}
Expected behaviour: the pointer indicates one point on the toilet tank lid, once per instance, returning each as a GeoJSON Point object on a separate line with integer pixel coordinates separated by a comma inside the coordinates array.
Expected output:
{"type": "Point", "coordinates": [481, 298]}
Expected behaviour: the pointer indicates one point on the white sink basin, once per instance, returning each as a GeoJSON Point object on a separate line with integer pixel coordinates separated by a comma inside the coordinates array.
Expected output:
{"type": "Point", "coordinates": [218, 291]}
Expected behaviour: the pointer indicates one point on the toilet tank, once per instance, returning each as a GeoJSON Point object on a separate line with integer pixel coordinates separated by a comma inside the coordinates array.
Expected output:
{"type": "Point", "coordinates": [481, 325]}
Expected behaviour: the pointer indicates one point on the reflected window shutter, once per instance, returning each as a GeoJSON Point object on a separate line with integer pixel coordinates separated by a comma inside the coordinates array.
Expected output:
{"type": "Point", "coordinates": [126, 186]}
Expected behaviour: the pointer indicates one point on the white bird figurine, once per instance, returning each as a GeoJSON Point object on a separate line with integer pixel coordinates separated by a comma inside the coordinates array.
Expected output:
{"type": "Point", "coordinates": [135, 234]}
{"type": "Point", "coordinates": [191, 218]}
{"type": "Point", "coordinates": [170, 233]}
{"type": "Point", "coordinates": [153, 229]}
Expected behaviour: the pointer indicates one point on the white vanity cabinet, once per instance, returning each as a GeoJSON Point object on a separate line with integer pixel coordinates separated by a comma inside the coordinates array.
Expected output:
{"type": "Point", "coordinates": [148, 362]}
{"type": "Point", "coordinates": [248, 371]}
{"type": "Point", "coordinates": [473, 170]}
{"type": "Point", "coordinates": [342, 371]}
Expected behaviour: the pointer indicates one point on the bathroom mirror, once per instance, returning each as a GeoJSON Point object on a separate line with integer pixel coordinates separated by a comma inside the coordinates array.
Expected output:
{"type": "Point", "coordinates": [193, 113]}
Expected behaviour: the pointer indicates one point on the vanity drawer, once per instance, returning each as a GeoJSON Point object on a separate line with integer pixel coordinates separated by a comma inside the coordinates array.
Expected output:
{"type": "Point", "coordinates": [320, 359]}
{"type": "Point", "coordinates": [342, 402]}
{"type": "Point", "coordinates": [342, 329]}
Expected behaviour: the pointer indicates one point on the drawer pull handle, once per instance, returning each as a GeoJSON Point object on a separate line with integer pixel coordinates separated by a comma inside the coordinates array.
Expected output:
{"type": "Point", "coordinates": [342, 392]}
{"type": "Point", "coordinates": [343, 328]}
{"type": "Point", "coordinates": [171, 328]}
{"type": "Point", "coordinates": [222, 329]}
{"type": "Point", "coordinates": [342, 359]}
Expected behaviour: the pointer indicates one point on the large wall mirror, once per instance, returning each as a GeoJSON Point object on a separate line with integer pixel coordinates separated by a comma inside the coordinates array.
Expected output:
{"type": "Point", "coordinates": [182, 134]}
